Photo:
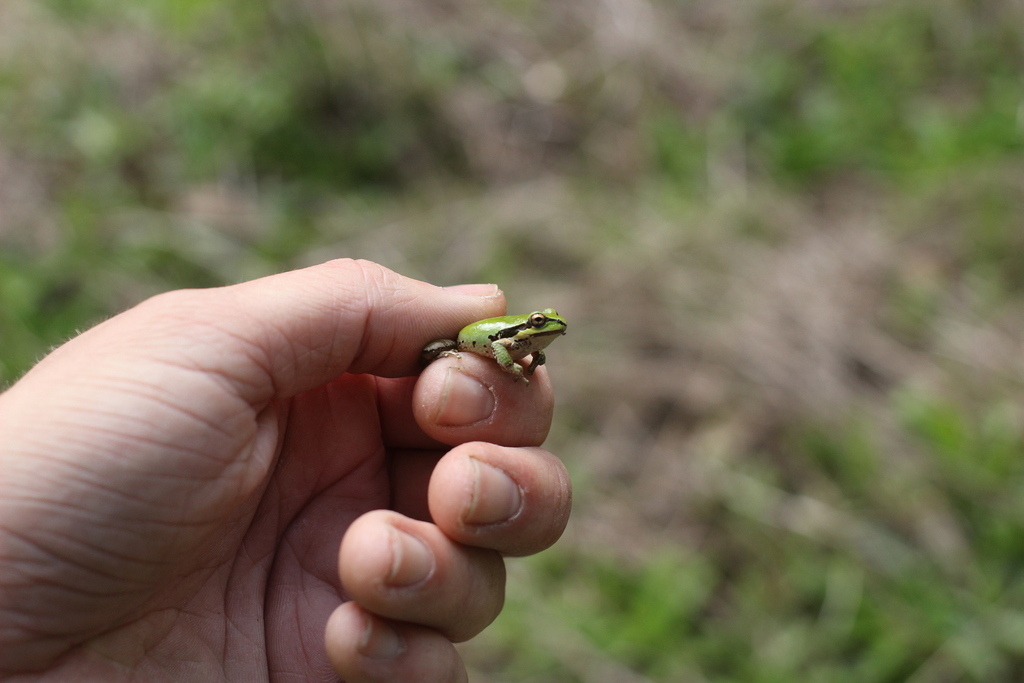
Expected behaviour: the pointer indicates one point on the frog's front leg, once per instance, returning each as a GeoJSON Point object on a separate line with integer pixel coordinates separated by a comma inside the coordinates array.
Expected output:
{"type": "Point", "coordinates": [538, 360]}
{"type": "Point", "coordinates": [507, 363]}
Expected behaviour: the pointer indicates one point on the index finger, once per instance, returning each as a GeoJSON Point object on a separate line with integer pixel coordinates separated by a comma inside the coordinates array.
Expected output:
{"type": "Point", "coordinates": [457, 400]}
{"type": "Point", "coordinates": [469, 398]}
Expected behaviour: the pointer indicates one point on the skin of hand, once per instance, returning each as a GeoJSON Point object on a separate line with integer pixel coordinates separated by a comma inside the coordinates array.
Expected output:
{"type": "Point", "coordinates": [250, 483]}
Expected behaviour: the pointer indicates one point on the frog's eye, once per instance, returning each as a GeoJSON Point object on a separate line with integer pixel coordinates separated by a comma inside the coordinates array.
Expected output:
{"type": "Point", "coordinates": [538, 320]}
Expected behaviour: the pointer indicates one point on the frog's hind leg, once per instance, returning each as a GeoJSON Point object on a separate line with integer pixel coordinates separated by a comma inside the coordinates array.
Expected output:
{"type": "Point", "coordinates": [436, 349]}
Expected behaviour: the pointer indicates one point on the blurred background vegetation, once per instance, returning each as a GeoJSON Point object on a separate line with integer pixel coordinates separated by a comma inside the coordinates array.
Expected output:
{"type": "Point", "coordinates": [788, 237]}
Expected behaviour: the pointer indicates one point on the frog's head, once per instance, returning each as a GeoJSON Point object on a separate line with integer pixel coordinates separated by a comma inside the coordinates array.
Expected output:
{"type": "Point", "coordinates": [546, 322]}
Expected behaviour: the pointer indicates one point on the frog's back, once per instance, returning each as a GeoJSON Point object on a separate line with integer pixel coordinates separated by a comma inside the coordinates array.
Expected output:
{"type": "Point", "coordinates": [479, 336]}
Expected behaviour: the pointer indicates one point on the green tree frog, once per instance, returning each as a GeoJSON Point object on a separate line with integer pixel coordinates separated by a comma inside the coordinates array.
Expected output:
{"type": "Point", "coordinates": [505, 339]}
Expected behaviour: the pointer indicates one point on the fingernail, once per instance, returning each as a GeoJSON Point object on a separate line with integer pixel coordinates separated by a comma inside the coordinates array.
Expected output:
{"type": "Point", "coordinates": [379, 640]}
{"type": "Point", "coordinates": [484, 291]}
{"type": "Point", "coordinates": [496, 497]}
{"type": "Point", "coordinates": [411, 560]}
{"type": "Point", "coordinates": [464, 400]}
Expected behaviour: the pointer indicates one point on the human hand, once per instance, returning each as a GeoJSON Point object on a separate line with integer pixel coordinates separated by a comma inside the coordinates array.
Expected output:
{"type": "Point", "coordinates": [175, 485]}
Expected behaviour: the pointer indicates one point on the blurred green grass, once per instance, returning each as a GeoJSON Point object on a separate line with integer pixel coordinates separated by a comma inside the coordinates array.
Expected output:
{"type": "Point", "coordinates": [788, 237]}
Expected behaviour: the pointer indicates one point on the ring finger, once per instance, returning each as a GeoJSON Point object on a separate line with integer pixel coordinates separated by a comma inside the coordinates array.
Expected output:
{"type": "Point", "coordinates": [409, 570]}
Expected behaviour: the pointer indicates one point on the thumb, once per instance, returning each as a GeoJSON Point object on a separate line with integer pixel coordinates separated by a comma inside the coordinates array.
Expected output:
{"type": "Point", "coordinates": [305, 328]}
{"type": "Point", "coordinates": [284, 334]}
